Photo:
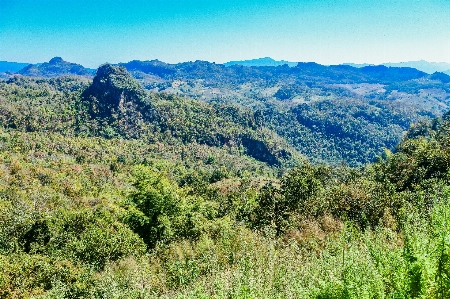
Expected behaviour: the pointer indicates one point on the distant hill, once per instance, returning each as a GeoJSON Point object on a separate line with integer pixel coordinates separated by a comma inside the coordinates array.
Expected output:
{"type": "Point", "coordinates": [358, 65]}
{"type": "Point", "coordinates": [266, 61]}
{"type": "Point", "coordinates": [54, 68]}
{"type": "Point", "coordinates": [421, 65]}
{"type": "Point", "coordinates": [6, 66]}
{"type": "Point", "coordinates": [216, 75]}
{"type": "Point", "coordinates": [331, 114]}
{"type": "Point", "coordinates": [439, 76]}
{"type": "Point", "coordinates": [424, 66]}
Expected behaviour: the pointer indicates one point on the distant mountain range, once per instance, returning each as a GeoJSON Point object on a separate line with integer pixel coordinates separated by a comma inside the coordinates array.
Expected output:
{"type": "Point", "coordinates": [57, 66]}
{"type": "Point", "coordinates": [333, 114]}
{"type": "Point", "coordinates": [6, 66]}
{"type": "Point", "coordinates": [421, 65]}
{"type": "Point", "coordinates": [152, 73]}
{"type": "Point", "coordinates": [54, 68]}
{"type": "Point", "coordinates": [219, 74]}
{"type": "Point", "coordinates": [266, 61]}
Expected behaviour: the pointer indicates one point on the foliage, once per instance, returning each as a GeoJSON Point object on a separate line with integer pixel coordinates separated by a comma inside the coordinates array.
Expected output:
{"type": "Point", "coordinates": [160, 212]}
{"type": "Point", "coordinates": [116, 106]}
{"type": "Point", "coordinates": [108, 191]}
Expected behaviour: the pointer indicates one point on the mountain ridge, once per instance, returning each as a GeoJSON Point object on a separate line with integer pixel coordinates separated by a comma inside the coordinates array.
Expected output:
{"type": "Point", "coordinates": [421, 65]}
{"type": "Point", "coordinates": [6, 66]}
{"type": "Point", "coordinates": [159, 67]}
{"type": "Point", "coordinates": [264, 61]}
{"type": "Point", "coordinates": [54, 68]}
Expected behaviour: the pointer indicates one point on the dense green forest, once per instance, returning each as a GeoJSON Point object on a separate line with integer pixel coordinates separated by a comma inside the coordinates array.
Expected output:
{"type": "Point", "coordinates": [109, 190]}
{"type": "Point", "coordinates": [331, 114]}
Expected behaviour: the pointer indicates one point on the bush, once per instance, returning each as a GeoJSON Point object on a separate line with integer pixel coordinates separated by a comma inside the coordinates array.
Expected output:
{"type": "Point", "coordinates": [93, 238]}
{"type": "Point", "coordinates": [299, 195]}
{"type": "Point", "coordinates": [159, 211]}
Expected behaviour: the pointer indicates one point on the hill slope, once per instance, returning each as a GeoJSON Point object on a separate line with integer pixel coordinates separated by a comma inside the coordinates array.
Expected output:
{"type": "Point", "coordinates": [340, 96]}
{"type": "Point", "coordinates": [266, 61]}
{"type": "Point", "coordinates": [54, 68]}
{"type": "Point", "coordinates": [311, 107]}
{"type": "Point", "coordinates": [115, 105]}
{"type": "Point", "coordinates": [84, 215]}
{"type": "Point", "coordinates": [6, 66]}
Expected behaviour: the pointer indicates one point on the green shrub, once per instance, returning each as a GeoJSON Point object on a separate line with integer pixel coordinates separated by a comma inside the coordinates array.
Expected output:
{"type": "Point", "coordinates": [25, 276]}
{"type": "Point", "coordinates": [159, 211]}
{"type": "Point", "coordinates": [93, 238]}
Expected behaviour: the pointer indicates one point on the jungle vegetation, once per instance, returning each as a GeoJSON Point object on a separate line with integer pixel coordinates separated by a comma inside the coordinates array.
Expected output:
{"type": "Point", "coordinates": [108, 190]}
{"type": "Point", "coordinates": [331, 114]}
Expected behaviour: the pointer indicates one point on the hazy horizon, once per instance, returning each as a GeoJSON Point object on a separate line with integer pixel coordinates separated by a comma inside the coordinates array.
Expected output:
{"type": "Point", "coordinates": [327, 32]}
{"type": "Point", "coordinates": [244, 60]}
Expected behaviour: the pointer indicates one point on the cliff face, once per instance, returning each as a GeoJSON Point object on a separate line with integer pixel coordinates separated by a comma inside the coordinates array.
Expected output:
{"type": "Point", "coordinates": [113, 89]}
{"type": "Point", "coordinates": [117, 102]}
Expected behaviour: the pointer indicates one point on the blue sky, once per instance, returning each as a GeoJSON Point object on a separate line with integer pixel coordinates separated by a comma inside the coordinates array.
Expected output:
{"type": "Point", "coordinates": [328, 32]}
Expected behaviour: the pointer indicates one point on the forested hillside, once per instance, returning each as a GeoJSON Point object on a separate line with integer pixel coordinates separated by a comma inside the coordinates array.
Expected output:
{"type": "Point", "coordinates": [114, 105]}
{"type": "Point", "coordinates": [54, 68]}
{"type": "Point", "coordinates": [108, 190]}
{"type": "Point", "coordinates": [335, 114]}
{"type": "Point", "coordinates": [331, 114]}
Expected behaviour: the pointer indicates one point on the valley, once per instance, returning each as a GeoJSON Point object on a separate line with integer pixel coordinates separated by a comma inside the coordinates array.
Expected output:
{"type": "Point", "coordinates": [199, 180]}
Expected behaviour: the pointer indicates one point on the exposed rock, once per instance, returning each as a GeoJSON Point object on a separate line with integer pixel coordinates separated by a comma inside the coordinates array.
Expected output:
{"type": "Point", "coordinates": [118, 100]}
{"type": "Point", "coordinates": [112, 89]}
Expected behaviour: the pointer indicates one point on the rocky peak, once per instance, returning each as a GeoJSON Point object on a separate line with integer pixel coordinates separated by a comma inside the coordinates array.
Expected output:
{"type": "Point", "coordinates": [56, 60]}
{"type": "Point", "coordinates": [54, 68]}
{"type": "Point", "coordinates": [113, 89]}
{"type": "Point", "coordinates": [154, 67]}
